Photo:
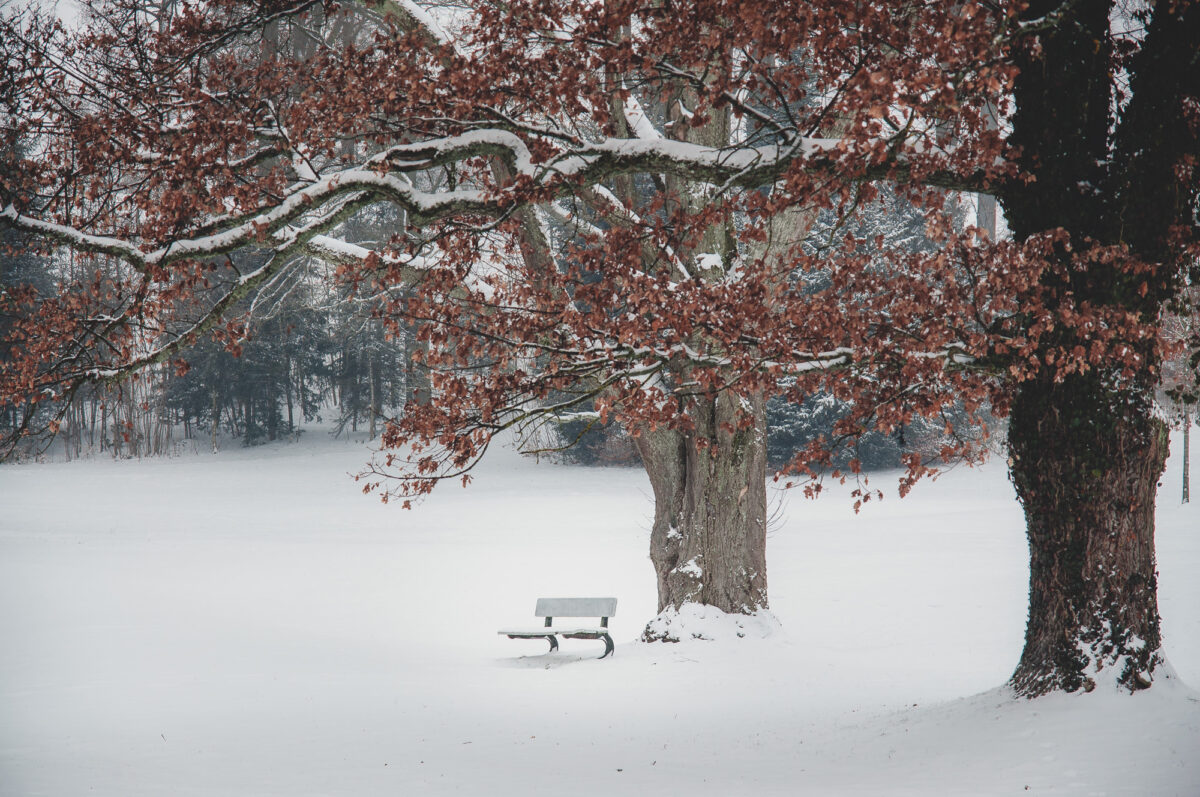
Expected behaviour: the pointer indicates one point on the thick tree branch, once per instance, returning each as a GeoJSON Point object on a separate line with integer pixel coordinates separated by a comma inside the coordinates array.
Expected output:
{"type": "Point", "coordinates": [745, 167]}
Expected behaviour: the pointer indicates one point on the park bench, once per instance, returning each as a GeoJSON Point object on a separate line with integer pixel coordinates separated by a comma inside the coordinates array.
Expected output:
{"type": "Point", "coordinates": [550, 608]}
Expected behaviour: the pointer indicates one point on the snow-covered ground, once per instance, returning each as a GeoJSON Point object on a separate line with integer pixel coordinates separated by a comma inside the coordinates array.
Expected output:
{"type": "Point", "coordinates": [247, 623]}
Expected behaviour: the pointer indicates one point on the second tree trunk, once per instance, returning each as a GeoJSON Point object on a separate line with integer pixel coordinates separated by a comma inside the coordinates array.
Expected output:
{"type": "Point", "coordinates": [708, 543]}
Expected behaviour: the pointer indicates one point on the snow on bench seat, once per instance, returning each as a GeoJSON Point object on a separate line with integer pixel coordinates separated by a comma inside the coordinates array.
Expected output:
{"type": "Point", "coordinates": [549, 608]}
{"type": "Point", "coordinates": [585, 633]}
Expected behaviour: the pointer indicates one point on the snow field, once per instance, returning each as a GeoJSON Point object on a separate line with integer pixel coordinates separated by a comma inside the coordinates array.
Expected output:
{"type": "Point", "coordinates": [249, 624]}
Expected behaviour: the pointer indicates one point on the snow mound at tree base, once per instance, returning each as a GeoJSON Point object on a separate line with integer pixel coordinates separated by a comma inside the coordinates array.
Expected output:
{"type": "Point", "coordinates": [698, 621]}
{"type": "Point", "coordinates": [1110, 676]}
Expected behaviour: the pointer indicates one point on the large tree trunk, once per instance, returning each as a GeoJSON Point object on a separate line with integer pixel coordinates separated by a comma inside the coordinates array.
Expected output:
{"type": "Point", "coordinates": [708, 543]}
{"type": "Point", "coordinates": [1086, 456]}
{"type": "Point", "coordinates": [1086, 466]}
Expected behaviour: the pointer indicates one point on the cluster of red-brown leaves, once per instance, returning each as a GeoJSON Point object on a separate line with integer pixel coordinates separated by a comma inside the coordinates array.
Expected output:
{"type": "Point", "coordinates": [155, 132]}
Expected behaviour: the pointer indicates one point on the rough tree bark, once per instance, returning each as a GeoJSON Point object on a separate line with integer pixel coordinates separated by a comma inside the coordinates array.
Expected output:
{"type": "Point", "coordinates": [1087, 449]}
{"type": "Point", "coordinates": [1086, 471]}
{"type": "Point", "coordinates": [708, 543]}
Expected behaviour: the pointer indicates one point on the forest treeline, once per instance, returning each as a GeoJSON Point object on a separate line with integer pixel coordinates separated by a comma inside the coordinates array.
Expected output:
{"type": "Point", "coordinates": [303, 354]}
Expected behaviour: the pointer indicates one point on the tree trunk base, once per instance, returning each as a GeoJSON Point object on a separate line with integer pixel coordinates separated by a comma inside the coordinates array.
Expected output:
{"type": "Point", "coordinates": [708, 543]}
{"type": "Point", "coordinates": [1085, 462]}
{"type": "Point", "coordinates": [699, 621]}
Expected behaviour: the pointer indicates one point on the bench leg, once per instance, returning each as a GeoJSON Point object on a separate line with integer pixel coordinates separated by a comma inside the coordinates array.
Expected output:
{"type": "Point", "coordinates": [608, 645]}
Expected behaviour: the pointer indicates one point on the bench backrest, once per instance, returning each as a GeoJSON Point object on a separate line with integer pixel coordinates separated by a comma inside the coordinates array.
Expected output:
{"type": "Point", "coordinates": [576, 607]}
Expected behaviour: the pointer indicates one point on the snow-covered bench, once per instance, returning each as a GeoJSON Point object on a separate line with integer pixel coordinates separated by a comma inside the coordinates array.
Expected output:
{"type": "Point", "coordinates": [550, 608]}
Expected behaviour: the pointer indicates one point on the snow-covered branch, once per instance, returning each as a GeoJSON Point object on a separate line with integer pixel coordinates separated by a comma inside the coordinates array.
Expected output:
{"type": "Point", "coordinates": [382, 177]}
{"type": "Point", "coordinates": [333, 250]}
